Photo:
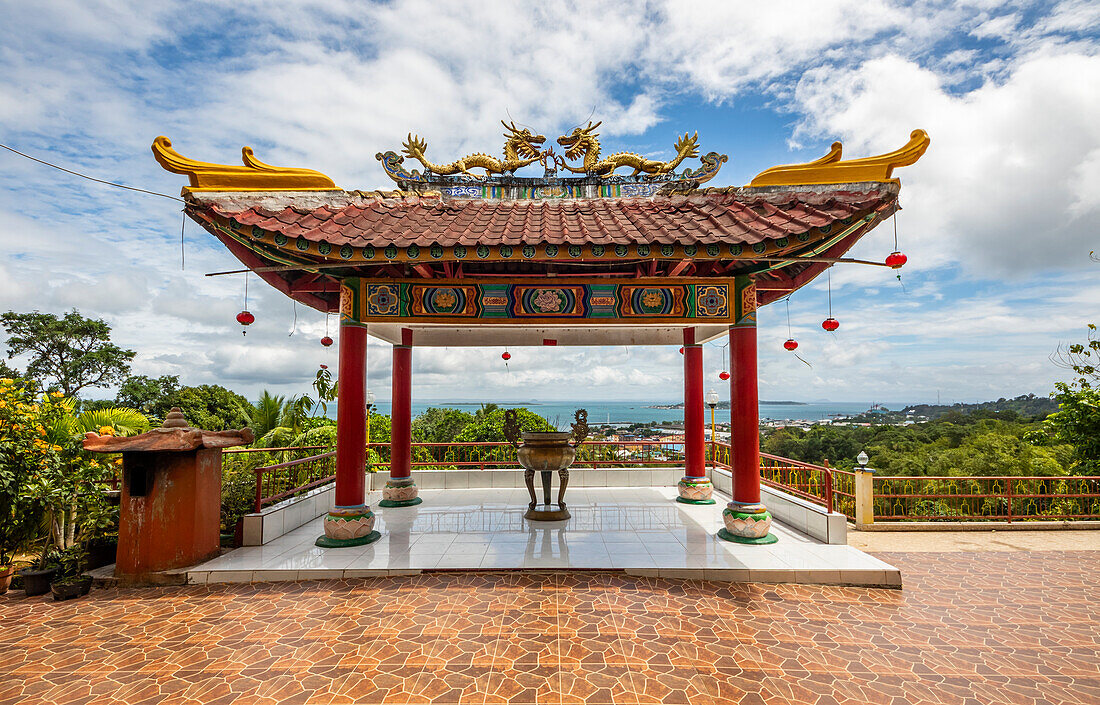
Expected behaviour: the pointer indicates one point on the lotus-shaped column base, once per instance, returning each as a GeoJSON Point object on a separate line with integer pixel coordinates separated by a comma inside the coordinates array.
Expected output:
{"type": "Point", "coordinates": [400, 492]}
{"type": "Point", "coordinates": [747, 523]}
{"type": "Point", "coordinates": [349, 526]}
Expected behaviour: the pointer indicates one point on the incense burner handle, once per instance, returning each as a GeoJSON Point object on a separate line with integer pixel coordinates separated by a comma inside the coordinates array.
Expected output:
{"type": "Point", "coordinates": [580, 427]}
{"type": "Point", "coordinates": [512, 427]}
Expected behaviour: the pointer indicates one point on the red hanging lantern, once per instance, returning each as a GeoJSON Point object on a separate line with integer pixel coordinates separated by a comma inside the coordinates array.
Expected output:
{"type": "Point", "coordinates": [896, 259]}
{"type": "Point", "coordinates": [681, 351]}
{"type": "Point", "coordinates": [830, 324]}
{"type": "Point", "coordinates": [791, 344]}
{"type": "Point", "coordinates": [244, 317]}
{"type": "Point", "coordinates": [326, 341]}
{"type": "Point", "coordinates": [723, 375]}
{"type": "Point", "coordinates": [506, 356]}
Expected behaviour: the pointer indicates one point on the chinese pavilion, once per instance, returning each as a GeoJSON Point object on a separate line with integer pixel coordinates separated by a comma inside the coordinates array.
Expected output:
{"type": "Point", "coordinates": [584, 255]}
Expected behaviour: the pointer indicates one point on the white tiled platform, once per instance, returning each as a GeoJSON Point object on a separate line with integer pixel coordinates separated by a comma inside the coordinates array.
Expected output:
{"type": "Point", "coordinates": [640, 530]}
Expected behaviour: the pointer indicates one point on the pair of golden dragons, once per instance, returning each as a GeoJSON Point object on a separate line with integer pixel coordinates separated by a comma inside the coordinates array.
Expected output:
{"type": "Point", "coordinates": [522, 147]}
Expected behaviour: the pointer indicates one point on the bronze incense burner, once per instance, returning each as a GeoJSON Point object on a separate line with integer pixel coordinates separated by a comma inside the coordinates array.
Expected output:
{"type": "Point", "coordinates": [546, 452]}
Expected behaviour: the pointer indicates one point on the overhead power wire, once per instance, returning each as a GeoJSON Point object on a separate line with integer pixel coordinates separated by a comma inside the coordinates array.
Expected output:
{"type": "Point", "coordinates": [91, 178]}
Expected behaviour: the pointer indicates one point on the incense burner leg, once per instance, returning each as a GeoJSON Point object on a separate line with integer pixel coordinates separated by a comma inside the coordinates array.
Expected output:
{"type": "Point", "coordinates": [529, 480]}
{"type": "Point", "coordinates": [546, 476]}
{"type": "Point", "coordinates": [563, 482]}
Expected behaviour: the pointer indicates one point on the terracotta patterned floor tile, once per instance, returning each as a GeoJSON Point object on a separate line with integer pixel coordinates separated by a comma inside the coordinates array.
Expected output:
{"type": "Point", "coordinates": [975, 629]}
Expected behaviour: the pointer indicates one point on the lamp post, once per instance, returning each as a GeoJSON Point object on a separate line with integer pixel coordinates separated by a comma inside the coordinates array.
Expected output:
{"type": "Point", "coordinates": [864, 491]}
{"type": "Point", "coordinates": [712, 401]}
{"type": "Point", "coordinates": [370, 403]}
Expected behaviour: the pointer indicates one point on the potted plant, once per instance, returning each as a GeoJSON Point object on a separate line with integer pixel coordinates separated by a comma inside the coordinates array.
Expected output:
{"type": "Point", "coordinates": [18, 528]}
{"type": "Point", "coordinates": [7, 570]}
{"type": "Point", "coordinates": [37, 577]}
{"type": "Point", "coordinates": [70, 581]}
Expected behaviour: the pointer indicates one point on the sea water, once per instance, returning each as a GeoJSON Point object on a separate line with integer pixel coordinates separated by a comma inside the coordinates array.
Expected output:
{"type": "Point", "coordinates": [561, 413]}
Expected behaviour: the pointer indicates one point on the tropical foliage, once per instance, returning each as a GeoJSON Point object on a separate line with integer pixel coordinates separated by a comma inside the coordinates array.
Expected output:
{"type": "Point", "coordinates": [53, 493]}
{"type": "Point", "coordinates": [956, 444]}
{"type": "Point", "coordinates": [152, 396]}
{"type": "Point", "coordinates": [212, 407]}
{"type": "Point", "coordinates": [1077, 422]}
{"type": "Point", "coordinates": [275, 420]}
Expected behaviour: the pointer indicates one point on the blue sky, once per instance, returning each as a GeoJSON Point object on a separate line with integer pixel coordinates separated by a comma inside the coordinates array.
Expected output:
{"type": "Point", "coordinates": [998, 221]}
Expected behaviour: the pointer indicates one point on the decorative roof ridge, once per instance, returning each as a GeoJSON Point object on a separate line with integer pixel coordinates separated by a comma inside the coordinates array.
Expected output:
{"type": "Point", "coordinates": [280, 200]}
{"type": "Point", "coordinates": [839, 187]}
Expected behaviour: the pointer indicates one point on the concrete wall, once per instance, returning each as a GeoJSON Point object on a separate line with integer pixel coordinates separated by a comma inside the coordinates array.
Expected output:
{"type": "Point", "coordinates": [286, 516]}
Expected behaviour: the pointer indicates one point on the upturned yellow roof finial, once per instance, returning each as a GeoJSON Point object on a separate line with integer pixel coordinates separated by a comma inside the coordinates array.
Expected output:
{"type": "Point", "coordinates": [253, 176]}
{"type": "Point", "coordinates": [831, 170]}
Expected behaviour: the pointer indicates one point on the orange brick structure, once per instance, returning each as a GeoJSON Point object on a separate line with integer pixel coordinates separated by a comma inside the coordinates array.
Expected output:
{"type": "Point", "coordinates": [171, 495]}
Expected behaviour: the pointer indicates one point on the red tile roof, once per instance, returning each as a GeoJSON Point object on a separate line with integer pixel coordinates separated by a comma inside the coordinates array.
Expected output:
{"type": "Point", "coordinates": [735, 215]}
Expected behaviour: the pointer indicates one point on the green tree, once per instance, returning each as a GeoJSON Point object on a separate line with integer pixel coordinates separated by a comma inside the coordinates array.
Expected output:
{"type": "Point", "coordinates": [7, 372]}
{"type": "Point", "coordinates": [1083, 359]}
{"type": "Point", "coordinates": [212, 407]}
{"type": "Point", "coordinates": [488, 427]}
{"type": "Point", "coordinates": [327, 389]}
{"type": "Point", "coordinates": [70, 353]}
{"type": "Point", "coordinates": [1077, 421]}
{"type": "Point", "coordinates": [151, 396]}
{"type": "Point", "coordinates": [438, 425]}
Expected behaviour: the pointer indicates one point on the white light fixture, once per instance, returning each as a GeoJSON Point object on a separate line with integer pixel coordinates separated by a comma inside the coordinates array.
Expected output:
{"type": "Point", "coordinates": [862, 458]}
{"type": "Point", "coordinates": [370, 398]}
{"type": "Point", "coordinates": [712, 398]}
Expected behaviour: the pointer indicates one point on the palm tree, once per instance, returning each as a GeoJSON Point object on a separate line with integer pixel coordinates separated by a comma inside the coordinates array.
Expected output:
{"type": "Point", "coordinates": [122, 421]}
{"type": "Point", "coordinates": [485, 411]}
{"type": "Point", "coordinates": [276, 420]}
{"type": "Point", "coordinates": [115, 421]}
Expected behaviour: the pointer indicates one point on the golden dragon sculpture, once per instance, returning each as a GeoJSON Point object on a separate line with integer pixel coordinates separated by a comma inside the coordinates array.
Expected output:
{"type": "Point", "coordinates": [582, 143]}
{"type": "Point", "coordinates": [520, 149]}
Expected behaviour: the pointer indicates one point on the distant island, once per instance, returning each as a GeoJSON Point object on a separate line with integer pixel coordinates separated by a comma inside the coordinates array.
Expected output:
{"type": "Point", "coordinates": [1025, 405]}
{"type": "Point", "coordinates": [726, 404]}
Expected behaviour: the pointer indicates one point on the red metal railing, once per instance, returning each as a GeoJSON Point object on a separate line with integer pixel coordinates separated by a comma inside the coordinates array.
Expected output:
{"type": "Point", "coordinates": [277, 482]}
{"type": "Point", "coordinates": [986, 498]}
{"type": "Point", "coordinates": [484, 456]}
{"type": "Point", "coordinates": [844, 491]}
{"type": "Point", "coordinates": [292, 450]}
{"type": "Point", "coordinates": [813, 483]}
{"type": "Point", "coordinates": [895, 498]}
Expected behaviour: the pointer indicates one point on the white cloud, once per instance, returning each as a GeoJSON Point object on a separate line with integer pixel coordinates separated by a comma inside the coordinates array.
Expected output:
{"type": "Point", "coordinates": [1008, 183]}
{"type": "Point", "coordinates": [1009, 187]}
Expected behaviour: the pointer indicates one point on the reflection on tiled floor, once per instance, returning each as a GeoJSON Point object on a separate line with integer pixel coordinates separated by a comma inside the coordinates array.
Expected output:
{"type": "Point", "coordinates": [972, 629]}
{"type": "Point", "coordinates": [637, 529]}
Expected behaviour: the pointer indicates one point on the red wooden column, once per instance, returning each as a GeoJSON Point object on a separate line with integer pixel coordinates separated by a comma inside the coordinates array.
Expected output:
{"type": "Point", "coordinates": [695, 487]}
{"type": "Point", "coordinates": [400, 489]}
{"type": "Point", "coordinates": [746, 519]}
{"type": "Point", "coordinates": [351, 522]}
